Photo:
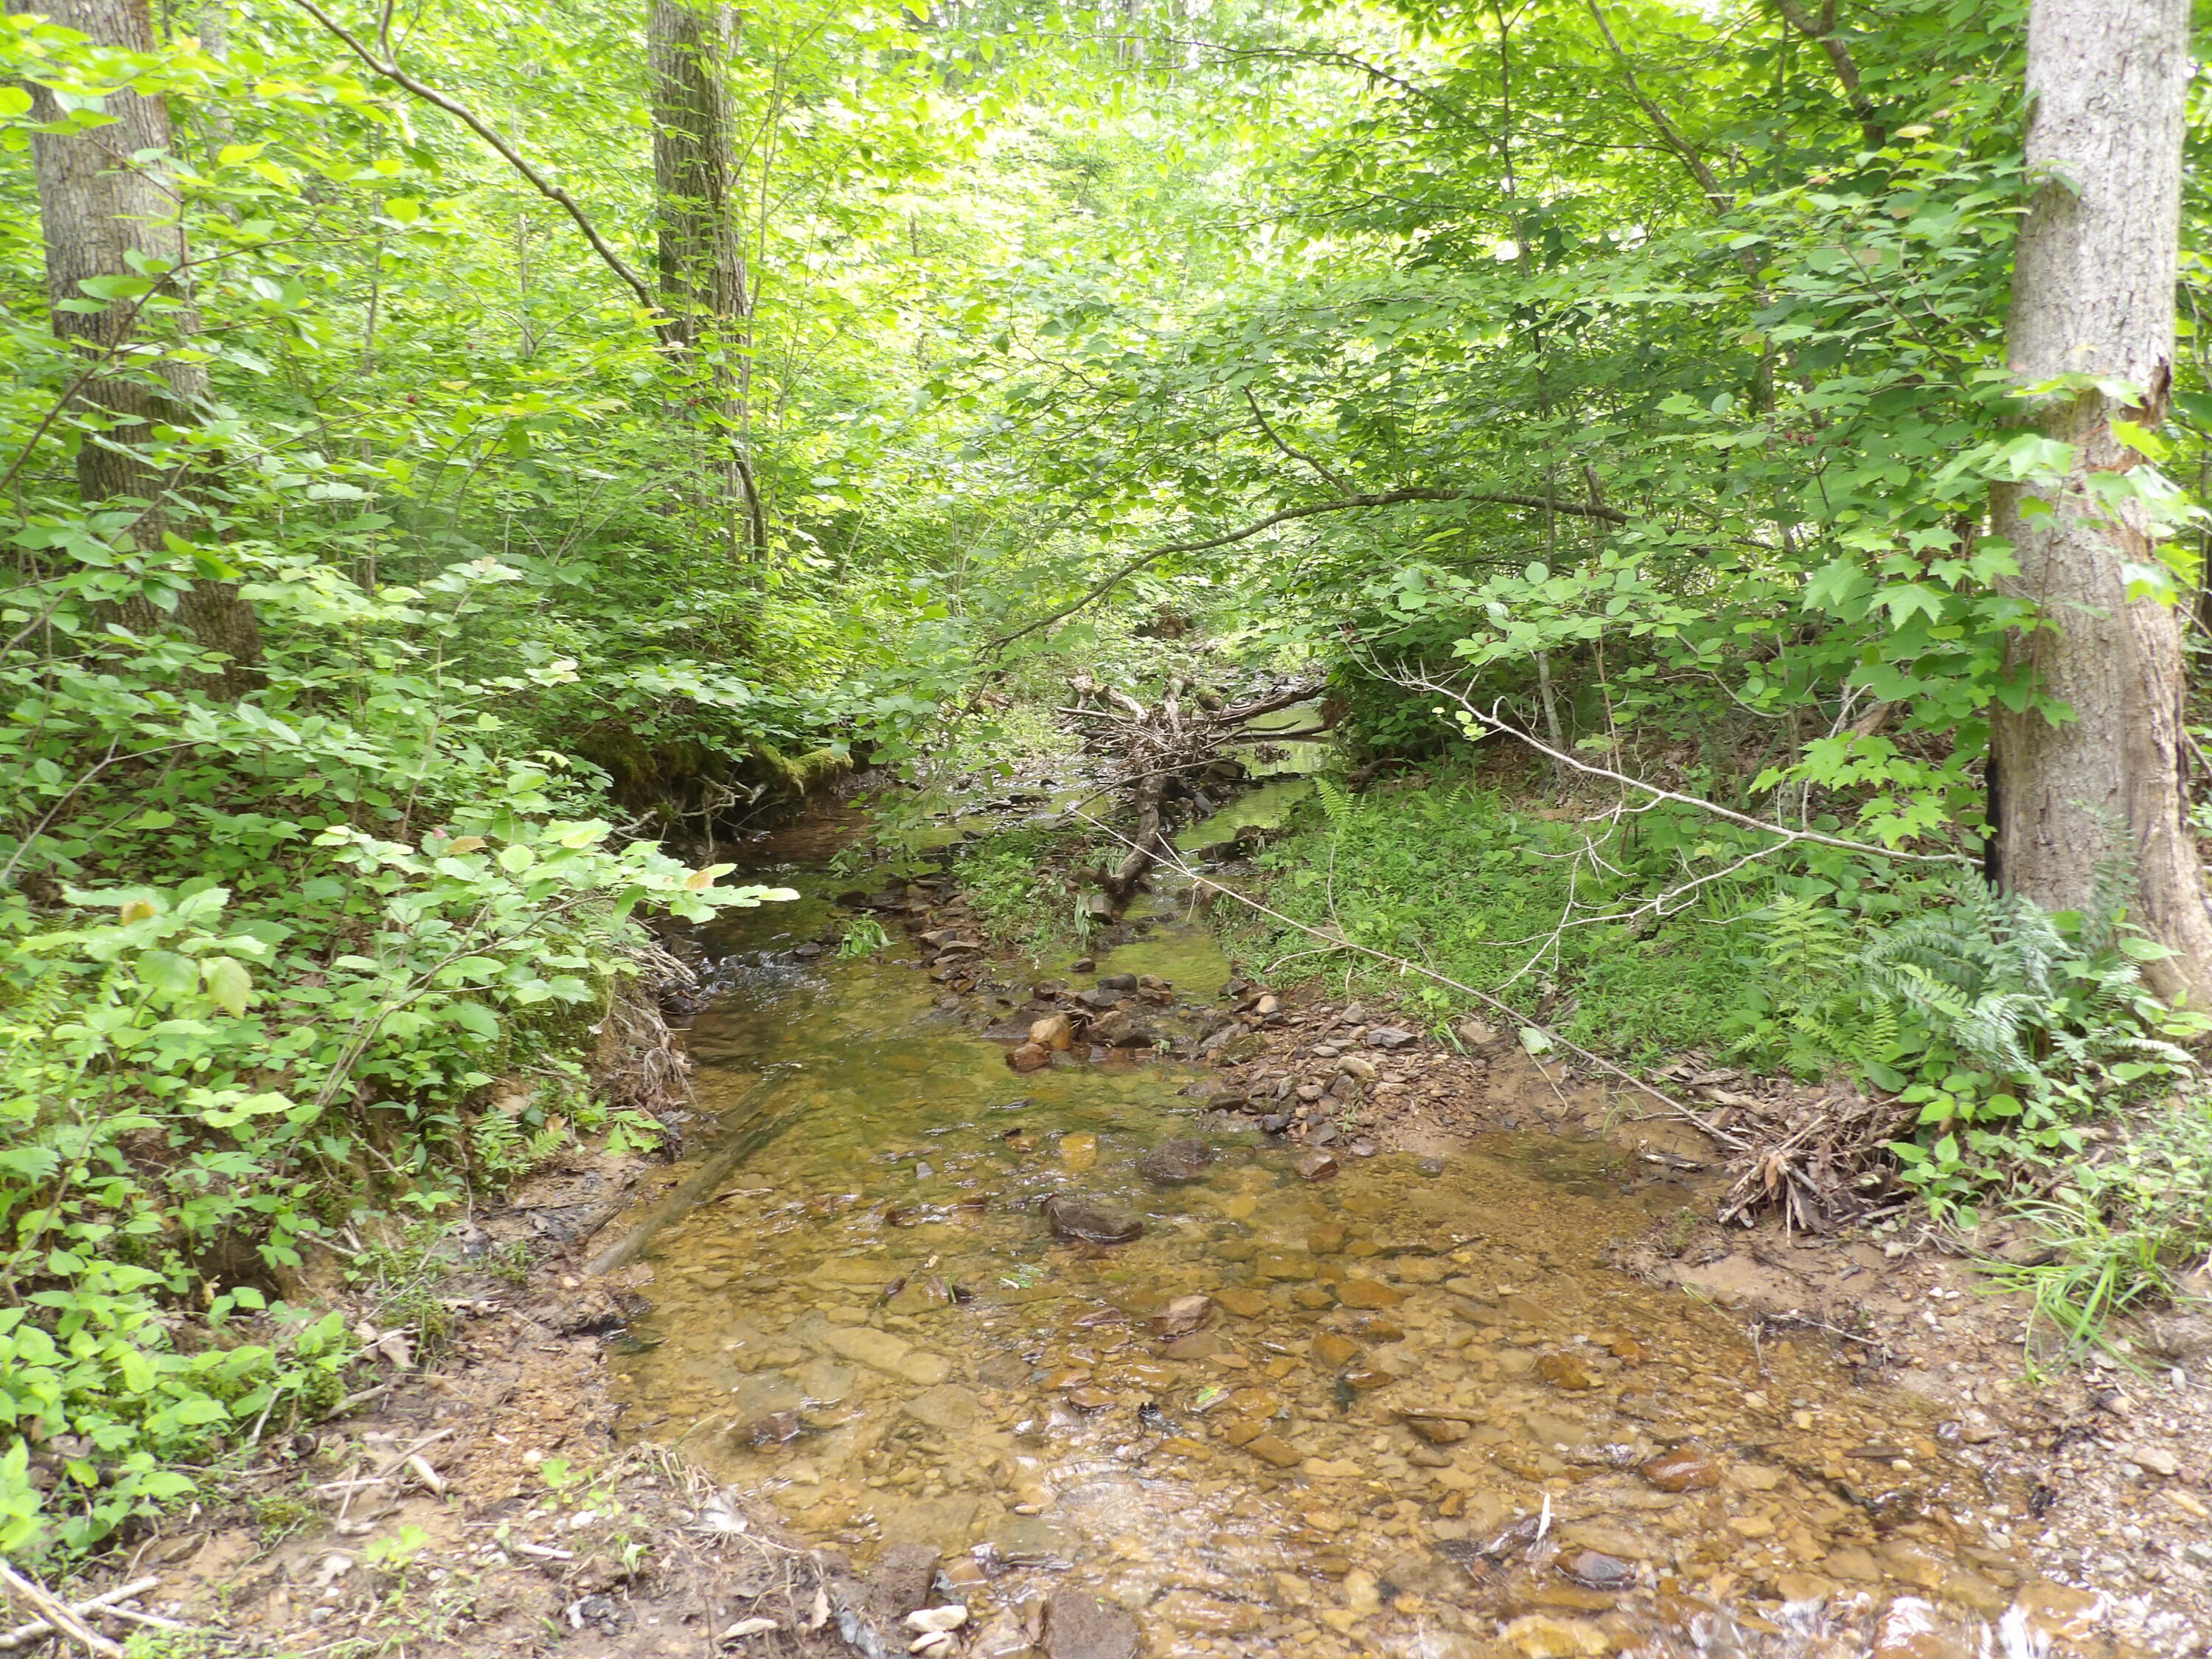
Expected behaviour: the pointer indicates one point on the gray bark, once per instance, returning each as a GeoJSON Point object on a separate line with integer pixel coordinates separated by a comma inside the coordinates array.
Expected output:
{"type": "Point", "coordinates": [96, 207]}
{"type": "Point", "coordinates": [699, 260]}
{"type": "Point", "coordinates": [2093, 293]}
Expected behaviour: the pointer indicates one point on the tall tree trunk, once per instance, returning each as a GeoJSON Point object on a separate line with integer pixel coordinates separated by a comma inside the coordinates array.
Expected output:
{"type": "Point", "coordinates": [96, 207]}
{"type": "Point", "coordinates": [699, 259]}
{"type": "Point", "coordinates": [2093, 293]}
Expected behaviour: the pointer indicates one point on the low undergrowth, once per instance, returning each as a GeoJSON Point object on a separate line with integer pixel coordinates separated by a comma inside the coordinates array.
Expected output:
{"type": "Point", "coordinates": [204, 1081]}
{"type": "Point", "coordinates": [1027, 885]}
{"type": "Point", "coordinates": [2048, 1082]}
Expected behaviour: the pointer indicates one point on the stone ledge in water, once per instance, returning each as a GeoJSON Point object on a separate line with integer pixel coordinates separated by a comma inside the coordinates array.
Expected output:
{"type": "Point", "coordinates": [1093, 1224]}
{"type": "Point", "coordinates": [1177, 1162]}
{"type": "Point", "coordinates": [880, 1351]}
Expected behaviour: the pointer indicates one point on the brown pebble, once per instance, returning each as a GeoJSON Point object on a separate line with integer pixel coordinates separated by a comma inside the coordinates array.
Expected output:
{"type": "Point", "coordinates": [777, 1429]}
{"type": "Point", "coordinates": [1439, 1430]}
{"type": "Point", "coordinates": [1332, 1349]}
{"type": "Point", "coordinates": [1182, 1315]}
{"type": "Point", "coordinates": [1599, 1572]}
{"type": "Point", "coordinates": [1371, 1293]}
{"type": "Point", "coordinates": [1563, 1371]}
{"type": "Point", "coordinates": [1681, 1471]}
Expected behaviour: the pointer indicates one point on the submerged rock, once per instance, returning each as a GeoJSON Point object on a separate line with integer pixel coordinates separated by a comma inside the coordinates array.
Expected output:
{"type": "Point", "coordinates": [902, 1578]}
{"type": "Point", "coordinates": [1563, 1371]}
{"type": "Point", "coordinates": [1176, 1163]}
{"type": "Point", "coordinates": [1182, 1315]}
{"type": "Point", "coordinates": [1094, 1224]}
{"type": "Point", "coordinates": [1598, 1571]}
{"type": "Point", "coordinates": [948, 1406]}
{"type": "Point", "coordinates": [1439, 1430]}
{"type": "Point", "coordinates": [777, 1429]}
{"type": "Point", "coordinates": [1681, 1471]}
{"type": "Point", "coordinates": [1079, 1627]}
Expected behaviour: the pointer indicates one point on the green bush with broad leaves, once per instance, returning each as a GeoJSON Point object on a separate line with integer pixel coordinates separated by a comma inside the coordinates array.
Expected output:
{"type": "Point", "coordinates": [195, 1091]}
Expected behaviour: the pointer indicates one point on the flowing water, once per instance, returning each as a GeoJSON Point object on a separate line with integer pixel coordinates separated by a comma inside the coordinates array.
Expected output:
{"type": "Point", "coordinates": [1419, 1415]}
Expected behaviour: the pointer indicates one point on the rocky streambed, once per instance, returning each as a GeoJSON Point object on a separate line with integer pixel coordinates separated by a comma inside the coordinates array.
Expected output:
{"type": "Point", "coordinates": [1105, 1355]}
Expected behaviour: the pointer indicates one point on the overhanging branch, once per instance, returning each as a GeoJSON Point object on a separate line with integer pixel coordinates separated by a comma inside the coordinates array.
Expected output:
{"type": "Point", "coordinates": [476, 124]}
{"type": "Point", "coordinates": [1343, 504]}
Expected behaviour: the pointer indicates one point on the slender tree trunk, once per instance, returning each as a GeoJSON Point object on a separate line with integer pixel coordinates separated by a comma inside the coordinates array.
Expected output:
{"type": "Point", "coordinates": [96, 207]}
{"type": "Point", "coordinates": [2093, 293]}
{"type": "Point", "coordinates": [699, 258]}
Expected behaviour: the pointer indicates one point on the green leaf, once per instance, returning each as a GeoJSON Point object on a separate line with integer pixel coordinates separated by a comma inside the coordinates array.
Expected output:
{"type": "Point", "coordinates": [228, 982]}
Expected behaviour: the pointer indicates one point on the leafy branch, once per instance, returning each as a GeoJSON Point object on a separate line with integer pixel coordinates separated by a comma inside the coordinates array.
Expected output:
{"type": "Point", "coordinates": [1346, 504]}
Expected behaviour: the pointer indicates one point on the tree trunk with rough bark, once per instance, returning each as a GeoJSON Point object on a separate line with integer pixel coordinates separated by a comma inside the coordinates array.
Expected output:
{"type": "Point", "coordinates": [96, 208]}
{"type": "Point", "coordinates": [2094, 293]}
{"type": "Point", "coordinates": [699, 261]}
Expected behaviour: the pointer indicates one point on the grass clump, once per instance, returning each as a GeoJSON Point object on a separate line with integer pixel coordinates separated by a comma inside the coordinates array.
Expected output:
{"type": "Point", "coordinates": [1457, 878]}
{"type": "Point", "coordinates": [2044, 1079]}
{"type": "Point", "coordinates": [2124, 1229]}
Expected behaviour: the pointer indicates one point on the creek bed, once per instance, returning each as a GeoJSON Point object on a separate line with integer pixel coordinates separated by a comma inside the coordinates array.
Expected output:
{"type": "Point", "coordinates": [871, 1323]}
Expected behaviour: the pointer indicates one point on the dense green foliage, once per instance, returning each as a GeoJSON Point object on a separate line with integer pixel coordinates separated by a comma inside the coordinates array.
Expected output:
{"type": "Point", "coordinates": [1674, 359]}
{"type": "Point", "coordinates": [264, 955]}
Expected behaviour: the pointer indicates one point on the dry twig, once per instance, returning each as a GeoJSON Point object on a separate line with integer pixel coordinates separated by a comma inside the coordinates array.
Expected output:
{"type": "Point", "coordinates": [57, 1614]}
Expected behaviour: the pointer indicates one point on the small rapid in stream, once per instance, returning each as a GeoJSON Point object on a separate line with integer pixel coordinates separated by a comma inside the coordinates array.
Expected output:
{"type": "Point", "coordinates": [1416, 1414]}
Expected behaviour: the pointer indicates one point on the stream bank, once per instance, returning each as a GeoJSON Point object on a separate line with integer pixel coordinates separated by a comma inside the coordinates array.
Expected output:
{"type": "Point", "coordinates": [1421, 1391]}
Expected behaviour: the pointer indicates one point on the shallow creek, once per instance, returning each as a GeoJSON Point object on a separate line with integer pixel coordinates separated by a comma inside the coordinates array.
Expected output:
{"type": "Point", "coordinates": [870, 1322]}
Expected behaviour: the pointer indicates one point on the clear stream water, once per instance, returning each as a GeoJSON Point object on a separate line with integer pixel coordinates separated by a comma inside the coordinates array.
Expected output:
{"type": "Point", "coordinates": [869, 1322]}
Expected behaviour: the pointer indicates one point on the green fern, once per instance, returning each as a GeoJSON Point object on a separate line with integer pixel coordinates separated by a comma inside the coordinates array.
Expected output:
{"type": "Point", "coordinates": [1338, 802]}
{"type": "Point", "coordinates": [1994, 977]}
{"type": "Point", "coordinates": [496, 1145]}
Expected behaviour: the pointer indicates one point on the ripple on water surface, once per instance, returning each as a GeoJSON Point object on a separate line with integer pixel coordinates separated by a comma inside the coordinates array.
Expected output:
{"type": "Point", "coordinates": [1414, 1414]}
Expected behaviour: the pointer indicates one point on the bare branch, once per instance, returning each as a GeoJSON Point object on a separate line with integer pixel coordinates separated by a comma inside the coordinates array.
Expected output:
{"type": "Point", "coordinates": [1669, 134]}
{"type": "Point", "coordinates": [1822, 30]}
{"type": "Point", "coordinates": [544, 186]}
{"type": "Point", "coordinates": [1276, 438]}
{"type": "Point", "coordinates": [1337, 941]}
{"type": "Point", "coordinates": [1784, 836]}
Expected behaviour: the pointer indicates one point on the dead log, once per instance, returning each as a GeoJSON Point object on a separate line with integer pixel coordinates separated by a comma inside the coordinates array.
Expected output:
{"type": "Point", "coordinates": [1168, 753]}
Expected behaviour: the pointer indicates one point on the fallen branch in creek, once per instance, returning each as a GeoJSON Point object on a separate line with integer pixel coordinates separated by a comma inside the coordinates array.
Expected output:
{"type": "Point", "coordinates": [1166, 752]}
